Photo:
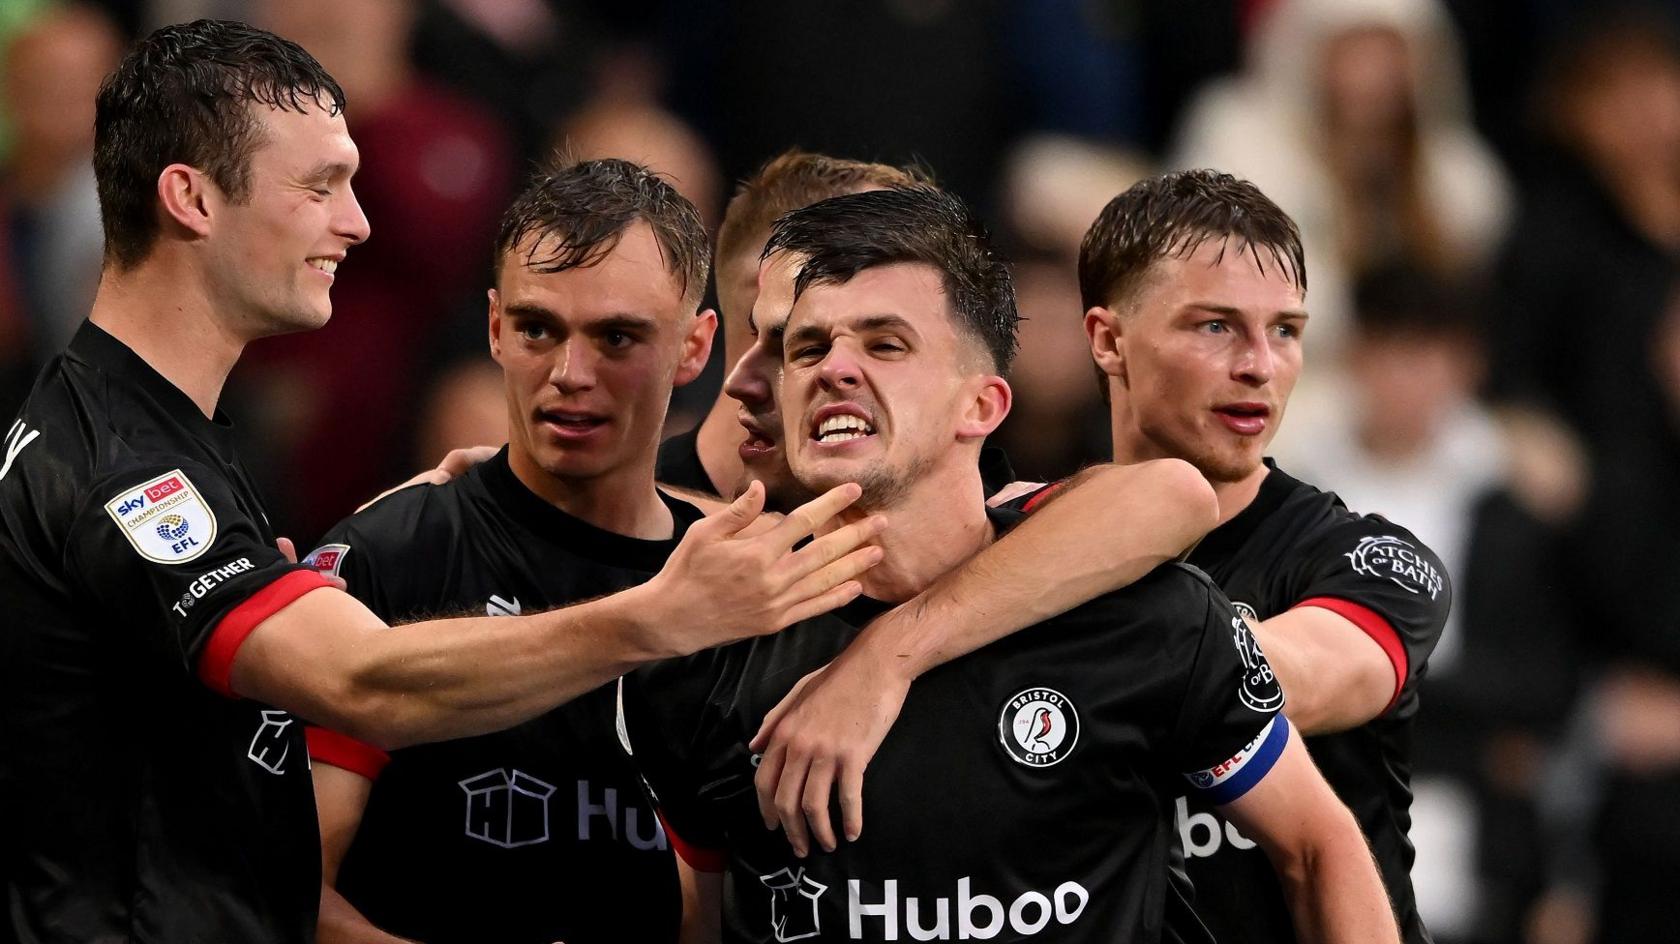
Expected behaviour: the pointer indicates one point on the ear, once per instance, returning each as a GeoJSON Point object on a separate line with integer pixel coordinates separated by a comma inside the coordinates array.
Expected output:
{"type": "Point", "coordinates": [495, 325]}
{"type": "Point", "coordinates": [185, 195]}
{"type": "Point", "coordinates": [987, 406]}
{"type": "Point", "coordinates": [1104, 331]}
{"type": "Point", "coordinates": [697, 347]}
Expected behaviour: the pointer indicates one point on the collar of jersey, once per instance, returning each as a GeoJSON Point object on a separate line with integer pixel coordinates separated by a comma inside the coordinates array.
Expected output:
{"type": "Point", "coordinates": [1226, 539]}
{"type": "Point", "coordinates": [93, 345]}
{"type": "Point", "coordinates": [574, 534]}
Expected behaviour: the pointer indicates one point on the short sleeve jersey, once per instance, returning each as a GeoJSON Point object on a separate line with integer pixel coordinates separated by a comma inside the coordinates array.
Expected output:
{"type": "Point", "coordinates": [1296, 546]}
{"type": "Point", "coordinates": [1024, 793]}
{"type": "Point", "coordinates": [534, 834]}
{"type": "Point", "coordinates": [144, 802]}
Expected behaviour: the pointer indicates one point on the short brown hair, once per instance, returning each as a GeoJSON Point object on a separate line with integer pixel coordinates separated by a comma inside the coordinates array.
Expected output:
{"type": "Point", "coordinates": [587, 205]}
{"type": "Point", "coordinates": [795, 179]}
{"type": "Point", "coordinates": [1173, 214]}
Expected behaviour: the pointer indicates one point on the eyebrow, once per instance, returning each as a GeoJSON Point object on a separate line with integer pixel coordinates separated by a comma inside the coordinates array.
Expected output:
{"type": "Point", "coordinates": [1228, 311]}
{"type": "Point", "coordinates": [327, 170]}
{"type": "Point", "coordinates": [866, 323]}
{"type": "Point", "coordinates": [614, 322]}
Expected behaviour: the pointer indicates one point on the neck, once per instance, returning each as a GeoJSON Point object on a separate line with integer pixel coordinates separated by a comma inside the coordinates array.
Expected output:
{"type": "Point", "coordinates": [939, 524]}
{"type": "Point", "coordinates": [719, 445]}
{"type": "Point", "coordinates": [162, 313]}
{"type": "Point", "coordinates": [1131, 447]}
{"type": "Point", "coordinates": [624, 501]}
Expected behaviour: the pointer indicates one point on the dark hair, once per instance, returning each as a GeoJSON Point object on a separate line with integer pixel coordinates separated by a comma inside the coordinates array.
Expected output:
{"type": "Point", "coordinates": [1173, 214]}
{"type": "Point", "coordinates": [580, 209]}
{"type": "Point", "coordinates": [795, 179]}
{"type": "Point", "coordinates": [184, 95]}
{"type": "Point", "coordinates": [842, 236]}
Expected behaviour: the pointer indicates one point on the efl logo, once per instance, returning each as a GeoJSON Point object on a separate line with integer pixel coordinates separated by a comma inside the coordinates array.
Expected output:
{"type": "Point", "coordinates": [166, 520]}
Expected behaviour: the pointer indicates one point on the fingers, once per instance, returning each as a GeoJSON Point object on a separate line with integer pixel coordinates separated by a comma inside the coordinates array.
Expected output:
{"type": "Point", "coordinates": [836, 573]}
{"type": "Point", "coordinates": [776, 714]}
{"type": "Point", "coordinates": [743, 511]}
{"type": "Point", "coordinates": [765, 782]}
{"type": "Point", "coordinates": [836, 544]}
{"type": "Point", "coordinates": [807, 518]}
{"type": "Point", "coordinates": [458, 461]}
{"type": "Point", "coordinates": [815, 803]}
{"type": "Point", "coordinates": [288, 550]}
{"type": "Point", "coordinates": [790, 798]}
{"type": "Point", "coordinates": [816, 606]}
{"type": "Point", "coordinates": [851, 800]}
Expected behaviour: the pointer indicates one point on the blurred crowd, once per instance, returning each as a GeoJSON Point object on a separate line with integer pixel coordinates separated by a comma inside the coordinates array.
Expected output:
{"type": "Point", "coordinates": [1488, 190]}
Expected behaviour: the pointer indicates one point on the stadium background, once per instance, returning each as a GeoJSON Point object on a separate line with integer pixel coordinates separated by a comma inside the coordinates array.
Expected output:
{"type": "Point", "coordinates": [1490, 195]}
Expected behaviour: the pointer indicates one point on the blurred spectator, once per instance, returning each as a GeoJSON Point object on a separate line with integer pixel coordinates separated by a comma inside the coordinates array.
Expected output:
{"type": "Point", "coordinates": [338, 405]}
{"type": "Point", "coordinates": [51, 244]}
{"type": "Point", "coordinates": [1353, 116]}
{"type": "Point", "coordinates": [1411, 443]}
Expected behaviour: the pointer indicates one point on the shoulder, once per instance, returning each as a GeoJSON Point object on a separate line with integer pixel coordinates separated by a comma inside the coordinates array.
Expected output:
{"type": "Point", "coordinates": [1174, 594]}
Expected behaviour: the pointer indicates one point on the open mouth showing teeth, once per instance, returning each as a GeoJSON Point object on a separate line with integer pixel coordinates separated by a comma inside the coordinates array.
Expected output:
{"type": "Point", "coordinates": [329, 266]}
{"type": "Point", "coordinates": [842, 427]}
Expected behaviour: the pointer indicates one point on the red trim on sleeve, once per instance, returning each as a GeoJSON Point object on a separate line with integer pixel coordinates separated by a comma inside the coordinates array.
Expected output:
{"type": "Point", "coordinates": [342, 750]}
{"type": "Point", "coordinates": [1374, 625]}
{"type": "Point", "coordinates": [1039, 496]}
{"type": "Point", "coordinates": [215, 662]}
{"type": "Point", "coordinates": [698, 858]}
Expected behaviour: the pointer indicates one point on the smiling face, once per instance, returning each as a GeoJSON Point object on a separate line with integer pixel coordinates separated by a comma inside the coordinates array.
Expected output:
{"type": "Point", "coordinates": [879, 387]}
{"type": "Point", "coordinates": [1202, 359]}
{"type": "Point", "coordinates": [590, 355]}
{"type": "Point", "coordinates": [272, 257]}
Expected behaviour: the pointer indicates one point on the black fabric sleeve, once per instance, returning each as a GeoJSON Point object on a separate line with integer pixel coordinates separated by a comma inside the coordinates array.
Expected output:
{"type": "Point", "coordinates": [1231, 728]}
{"type": "Point", "coordinates": [168, 545]}
{"type": "Point", "coordinates": [1383, 570]}
{"type": "Point", "coordinates": [669, 731]}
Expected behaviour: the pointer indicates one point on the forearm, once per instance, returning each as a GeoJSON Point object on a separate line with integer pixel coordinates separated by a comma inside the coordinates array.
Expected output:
{"type": "Point", "coordinates": [1104, 529]}
{"type": "Point", "coordinates": [1334, 677]}
{"type": "Point", "coordinates": [442, 679]}
{"type": "Point", "coordinates": [341, 923]}
{"type": "Point", "coordinates": [1336, 894]}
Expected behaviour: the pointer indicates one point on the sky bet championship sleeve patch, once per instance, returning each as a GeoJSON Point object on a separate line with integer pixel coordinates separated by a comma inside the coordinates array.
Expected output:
{"type": "Point", "coordinates": [166, 519]}
{"type": "Point", "coordinates": [327, 558]}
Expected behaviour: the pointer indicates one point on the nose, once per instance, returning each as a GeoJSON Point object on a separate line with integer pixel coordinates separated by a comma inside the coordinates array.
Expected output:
{"type": "Point", "coordinates": [350, 222]}
{"type": "Point", "coordinates": [839, 369]}
{"type": "Point", "coordinates": [751, 382]}
{"type": "Point", "coordinates": [1255, 364]}
{"type": "Point", "coordinates": [574, 366]}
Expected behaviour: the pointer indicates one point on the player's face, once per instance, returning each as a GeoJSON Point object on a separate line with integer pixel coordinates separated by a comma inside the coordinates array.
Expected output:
{"type": "Point", "coordinates": [1206, 359]}
{"type": "Point", "coordinates": [755, 380]}
{"type": "Point", "coordinates": [590, 356]}
{"type": "Point", "coordinates": [877, 383]}
{"type": "Point", "coordinates": [274, 255]}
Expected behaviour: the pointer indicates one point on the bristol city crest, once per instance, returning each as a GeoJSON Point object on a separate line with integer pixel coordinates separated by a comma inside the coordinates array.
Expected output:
{"type": "Point", "coordinates": [1039, 727]}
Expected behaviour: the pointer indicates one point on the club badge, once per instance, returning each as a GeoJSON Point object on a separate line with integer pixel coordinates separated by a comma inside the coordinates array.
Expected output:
{"type": "Point", "coordinates": [1039, 727]}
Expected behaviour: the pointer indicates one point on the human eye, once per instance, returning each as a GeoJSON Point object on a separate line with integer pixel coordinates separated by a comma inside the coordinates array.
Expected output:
{"type": "Point", "coordinates": [618, 340]}
{"type": "Point", "coordinates": [888, 345]}
{"type": "Point", "coordinates": [532, 330]}
{"type": "Point", "coordinates": [1214, 326]}
{"type": "Point", "coordinates": [1289, 330]}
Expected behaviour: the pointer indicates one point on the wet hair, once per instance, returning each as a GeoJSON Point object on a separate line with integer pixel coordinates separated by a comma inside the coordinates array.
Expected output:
{"type": "Point", "coordinates": [795, 179]}
{"type": "Point", "coordinates": [842, 236]}
{"type": "Point", "coordinates": [1172, 215]}
{"type": "Point", "coordinates": [185, 94]}
{"type": "Point", "coordinates": [579, 210]}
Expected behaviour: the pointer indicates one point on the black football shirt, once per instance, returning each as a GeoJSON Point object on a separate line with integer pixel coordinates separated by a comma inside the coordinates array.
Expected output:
{"type": "Point", "coordinates": [1295, 545]}
{"type": "Point", "coordinates": [143, 801]}
{"type": "Point", "coordinates": [1025, 792]}
{"type": "Point", "coordinates": [534, 834]}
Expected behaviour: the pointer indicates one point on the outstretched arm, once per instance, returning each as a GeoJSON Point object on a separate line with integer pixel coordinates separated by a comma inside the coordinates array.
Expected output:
{"type": "Point", "coordinates": [1321, 857]}
{"type": "Point", "coordinates": [326, 657]}
{"type": "Point", "coordinates": [1102, 530]}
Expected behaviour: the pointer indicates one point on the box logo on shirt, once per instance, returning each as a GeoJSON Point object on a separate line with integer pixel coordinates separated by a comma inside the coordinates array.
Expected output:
{"type": "Point", "coordinates": [1038, 727]}
{"type": "Point", "coordinates": [166, 520]}
{"type": "Point", "coordinates": [793, 904]}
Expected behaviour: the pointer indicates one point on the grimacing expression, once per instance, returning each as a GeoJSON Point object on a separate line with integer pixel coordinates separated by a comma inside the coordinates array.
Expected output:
{"type": "Point", "coordinates": [878, 384]}
{"type": "Point", "coordinates": [274, 254]}
{"type": "Point", "coordinates": [590, 354]}
{"type": "Point", "coordinates": [755, 380]}
{"type": "Point", "coordinates": [1209, 349]}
